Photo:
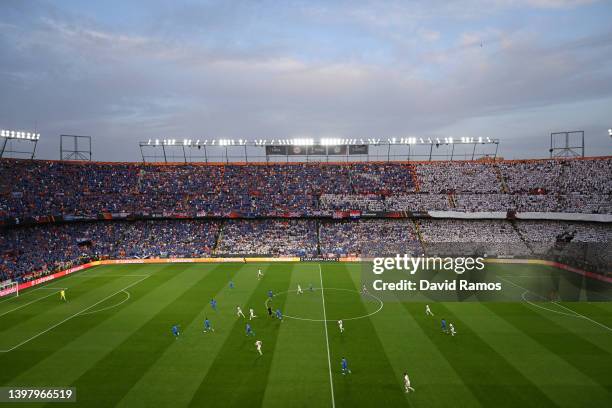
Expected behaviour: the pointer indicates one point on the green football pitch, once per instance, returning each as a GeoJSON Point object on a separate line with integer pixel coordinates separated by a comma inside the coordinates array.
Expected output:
{"type": "Point", "coordinates": [112, 342]}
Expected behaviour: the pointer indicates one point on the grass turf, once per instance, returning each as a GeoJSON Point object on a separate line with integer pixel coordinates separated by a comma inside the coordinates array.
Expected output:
{"type": "Point", "coordinates": [114, 344]}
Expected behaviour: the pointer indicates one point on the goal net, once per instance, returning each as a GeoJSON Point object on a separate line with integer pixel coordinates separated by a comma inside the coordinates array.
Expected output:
{"type": "Point", "coordinates": [9, 289]}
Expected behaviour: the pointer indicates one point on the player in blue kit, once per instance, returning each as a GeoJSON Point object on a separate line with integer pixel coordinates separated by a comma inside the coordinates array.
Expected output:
{"type": "Point", "coordinates": [345, 369]}
{"type": "Point", "coordinates": [270, 294]}
{"type": "Point", "coordinates": [207, 325]}
{"type": "Point", "coordinates": [213, 304]}
{"type": "Point", "coordinates": [231, 284]}
{"type": "Point", "coordinates": [279, 315]}
{"type": "Point", "coordinates": [249, 330]}
{"type": "Point", "coordinates": [176, 331]}
{"type": "Point", "coordinates": [444, 326]}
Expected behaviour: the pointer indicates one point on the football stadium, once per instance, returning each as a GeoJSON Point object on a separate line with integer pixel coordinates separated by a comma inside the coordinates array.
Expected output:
{"type": "Point", "coordinates": [151, 264]}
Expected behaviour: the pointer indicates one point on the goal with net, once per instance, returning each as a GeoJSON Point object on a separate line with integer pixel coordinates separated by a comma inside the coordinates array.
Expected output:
{"type": "Point", "coordinates": [9, 289]}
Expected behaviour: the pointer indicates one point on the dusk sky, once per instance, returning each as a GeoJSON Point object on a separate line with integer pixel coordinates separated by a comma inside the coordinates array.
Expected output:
{"type": "Point", "coordinates": [128, 71]}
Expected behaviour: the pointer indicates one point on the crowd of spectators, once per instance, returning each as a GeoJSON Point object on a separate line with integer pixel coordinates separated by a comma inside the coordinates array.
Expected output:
{"type": "Point", "coordinates": [459, 177]}
{"type": "Point", "coordinates": [41, 188]}
{"type": "Point", "coordinates": [49, 247]}
{"type": "Point", "coordinates": [494, 202]}
{"type": "Point", "coordinates": [590, 176]}
{"type": "Point", "coordinates": [44, 188]}
{"type": "Point", "coordinates": [268, 237]}
{"type": "Point", "coordinates": [491, 237]}
{"type": "Point", "coordinates": [368, 237]}
{"type": "Point", "coordinates": [364, 202]}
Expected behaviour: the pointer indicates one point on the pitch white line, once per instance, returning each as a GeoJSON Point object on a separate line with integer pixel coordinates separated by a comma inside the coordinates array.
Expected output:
{"type": "Point", "coordinates": [545, 308]}
{"type": "Point", "coordinates": [44, 285]}
{"type": "Point", "coordinates": [102, 275]}
{"type": "Point", "coordinates": [525, 289]}
{"type": "Point", "coordinates": [68, 318]}
{"type": "Point", "coordinates": [584, 317]}
{"type": "Point", "coordinates": [29, 303]}
{"type": "Point", "coordinates": [111, 306]}
{"type": "Point", "coordinates": [27, 292]}
{"type": "Point", "coordinates": [267, 302]}
{"type": "Point", "coordinates": [331, 381]}
{"type": "Point", "coordinates": [576, 314]}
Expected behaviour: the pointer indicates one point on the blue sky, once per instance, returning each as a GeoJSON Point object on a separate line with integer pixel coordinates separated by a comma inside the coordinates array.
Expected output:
{"type": "Point", "coordinates": [128, 71]}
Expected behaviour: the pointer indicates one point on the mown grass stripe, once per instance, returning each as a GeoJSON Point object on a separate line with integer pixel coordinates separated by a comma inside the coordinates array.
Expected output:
{"type": "Point", "coordinates": [585, 328]}
{"type": "Point", "coordinates": [238, 375]}
{"type": "Point", "coordinates": [373, 381]}
{"type": "Point", "coordinates": [584, 356]}
{"type": "Point", "coordinates": [490, 377]}
{"type": "Point", "coordinates": [79, 293]}
{"type": "Point", "coordinates": [44, 358]}
{"type": "Point", "coordinates": [431, 374]}
{"type": "Point", "coordinates": [299, 371]}
{"type": "Point", "coordinates": [554, 376]}
{"type": "Point", "coordinates": [187, 362]}
{"type": "Point", "coordinates": [145, 345]}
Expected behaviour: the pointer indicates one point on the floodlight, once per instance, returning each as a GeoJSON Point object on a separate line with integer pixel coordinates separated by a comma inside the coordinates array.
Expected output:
{"type": "Point", "coordinates": [18, 134]}
{"type": "Point", "coordinates": [302, 142]}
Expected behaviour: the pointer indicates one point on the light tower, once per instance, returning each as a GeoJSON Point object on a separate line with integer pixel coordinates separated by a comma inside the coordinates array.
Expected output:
{"type": "Point", "coordinates": [17, 143]}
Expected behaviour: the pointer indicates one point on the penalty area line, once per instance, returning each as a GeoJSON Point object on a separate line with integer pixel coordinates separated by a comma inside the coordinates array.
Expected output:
{"type": "Point", "coordinates": [29, 303]}
{"type": "Point", "coordinates": [71, 317]}
{"type": "Point", "coordinates": [575, 314]}
{"type": "Point", "coordinates": [45, 285]}
{"type": "Point", "coordinates": [584, 317]}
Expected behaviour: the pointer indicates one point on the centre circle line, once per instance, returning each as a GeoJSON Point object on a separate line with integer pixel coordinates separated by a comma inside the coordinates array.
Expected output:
{"type": "Point", "coordinates": [329, 320]}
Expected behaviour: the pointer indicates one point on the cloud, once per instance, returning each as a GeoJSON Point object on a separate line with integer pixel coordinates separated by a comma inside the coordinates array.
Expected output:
{"type": "Point", "coordinates": [72, 74]}
{"type": "Point", "coordinates": [429, 35]}
{"type": "Point", "coordinates": [550, 3]}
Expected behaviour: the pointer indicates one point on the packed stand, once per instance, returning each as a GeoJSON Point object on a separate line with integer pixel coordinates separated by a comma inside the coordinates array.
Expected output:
{"type": "Point", "coordinates": [268, 237]}
{"type": "Point", "coordinates": [49, 247]}
{"type": "Point", "coordinates": [491, 237]}
{"type": "Point", "coordinates": [368, 237]}
{"type": "Point", "coordinates": [46, 248]}
{"type": "Point", "coordinates": [41, 188]}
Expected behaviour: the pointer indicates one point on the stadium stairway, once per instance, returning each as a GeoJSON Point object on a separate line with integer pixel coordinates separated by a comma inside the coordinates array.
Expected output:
{"type": "Point", "coordinates": [521, 236]}
{"type": "Point", "coordinates": [318, 237]}
{"type": "Point", "coordinates": [452, 202]}
{"type": "Point", "coordinates": [415, 179]}
{"type": "Point", "coordinates": [501, 179]}
{"type": "Point", "coordinates": [417, 228]}
{"type": "Point", "coordinates": [218, 238]}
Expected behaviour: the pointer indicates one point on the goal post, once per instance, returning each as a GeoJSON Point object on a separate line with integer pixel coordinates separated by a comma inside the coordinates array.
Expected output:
{"type": "Point", "coordinates": [9, 289]}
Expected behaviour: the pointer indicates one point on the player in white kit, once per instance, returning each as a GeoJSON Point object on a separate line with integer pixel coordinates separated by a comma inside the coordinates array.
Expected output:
{"type": "Point", "coordinates": [259, 274]}
{"type": "Point", "coordinates": [251, 314]}
{"type": "Point", "coordinates": [341, 326]}
{"type": "Point", "coordinates": [258, 346]}
{"type": "Point", "coordinates": [299, 290]}
{"type": "Point", "coordinates": [452, 329]}
{"type": "Point", "coordinates": [407, 386]}
{"type": "Point", "coordinates": [428, 311]}
{"type": "Point", "coordinates": [239, 312]}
